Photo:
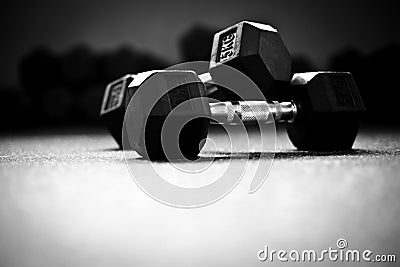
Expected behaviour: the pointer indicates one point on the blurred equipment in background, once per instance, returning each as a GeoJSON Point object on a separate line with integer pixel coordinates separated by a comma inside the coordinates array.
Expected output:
{"type": "Point", "coordinates": [16, 109]}
{"type": "Point", "coordinates": [67, 87]}
{"type": "Point", "coordinates": [78, 67]}
{"type": "Point", "coordinates": [125, 60]}
{"type": "Point", "coordinates": [196, 43]}
{"type": "Point", "coordinates": [40, 76]}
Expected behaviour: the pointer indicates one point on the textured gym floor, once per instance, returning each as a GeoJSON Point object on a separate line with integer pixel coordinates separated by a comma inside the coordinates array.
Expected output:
{"type": "Point", "coordinates": [67, 199]}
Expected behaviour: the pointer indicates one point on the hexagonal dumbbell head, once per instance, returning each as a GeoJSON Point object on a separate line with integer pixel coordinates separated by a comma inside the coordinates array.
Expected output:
{"type": "Point", "coordinates": [113, 107]}
{"type": "Point", "coordinates": [329, 111]}
{"type": "Point", "coordinates": [255, 49]}
{"type": "Point", "coordinates": [166, 117]}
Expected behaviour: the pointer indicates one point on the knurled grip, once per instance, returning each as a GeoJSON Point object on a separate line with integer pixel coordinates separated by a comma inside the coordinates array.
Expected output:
{"type": "Point", "coordinates": [242, 111]}
{"type": "Point", "coordinates": [254, 111]}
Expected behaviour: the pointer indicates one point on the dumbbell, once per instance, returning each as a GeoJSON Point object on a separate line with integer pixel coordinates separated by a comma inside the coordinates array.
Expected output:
{"type": "Point", "coordinates": [255, 49]}
{"type": "Point", "coordinates": [323, 114]}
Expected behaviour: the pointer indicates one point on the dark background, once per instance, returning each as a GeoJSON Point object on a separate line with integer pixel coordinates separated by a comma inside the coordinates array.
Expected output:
{"type": "Point", "coordinates": [67, 197]}
{"type": "Point", "coordinates": [57, 56]}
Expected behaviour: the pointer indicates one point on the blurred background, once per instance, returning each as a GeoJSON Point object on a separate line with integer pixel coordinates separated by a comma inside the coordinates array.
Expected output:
{"type": "Point", "coordinates": [56, 57]}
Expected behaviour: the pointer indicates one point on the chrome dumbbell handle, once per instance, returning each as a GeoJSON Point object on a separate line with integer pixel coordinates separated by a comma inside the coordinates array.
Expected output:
{"type": "Point", "coordinates": [248, 112]}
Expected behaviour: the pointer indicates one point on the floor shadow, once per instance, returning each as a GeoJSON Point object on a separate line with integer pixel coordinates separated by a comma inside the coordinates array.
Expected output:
{"type": "Point", "coordinates": [109, 149]}
{"type": "Point", "coordinates": [293, 154]}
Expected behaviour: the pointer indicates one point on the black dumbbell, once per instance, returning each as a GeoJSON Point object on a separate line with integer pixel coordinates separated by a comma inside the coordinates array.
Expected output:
{"type": "Point", "coordinates": [323, 114]}
{"type": "Point", "coordinates": [330, 109]}
{"type": "Point", "coordinates": [255, 49]}
{"type": "Point", "coordinates": [113, 106]}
